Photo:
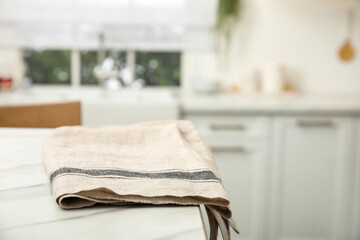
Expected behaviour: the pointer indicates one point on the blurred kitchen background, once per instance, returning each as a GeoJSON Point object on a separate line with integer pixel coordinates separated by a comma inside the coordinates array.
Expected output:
{"type": "Point", "coordinates": [272, 85]}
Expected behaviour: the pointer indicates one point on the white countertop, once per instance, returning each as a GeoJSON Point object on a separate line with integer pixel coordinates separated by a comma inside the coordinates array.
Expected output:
{"type": "Point", "coordinates": [296, 103]}
{"type": "Point", "coordinates": [89, 94]}
{"type": "Point", "coordinates": [28, 210]}
{"type": "Point", "coordinates": [154, 98]}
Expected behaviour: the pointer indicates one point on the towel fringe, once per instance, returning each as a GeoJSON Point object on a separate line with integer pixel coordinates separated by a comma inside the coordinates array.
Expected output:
{"type": "Point", "coordinates": [217, 221]}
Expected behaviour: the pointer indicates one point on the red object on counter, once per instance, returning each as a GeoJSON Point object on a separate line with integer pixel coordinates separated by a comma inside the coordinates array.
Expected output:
{"type": "Point", "coordinates": [5, 83]}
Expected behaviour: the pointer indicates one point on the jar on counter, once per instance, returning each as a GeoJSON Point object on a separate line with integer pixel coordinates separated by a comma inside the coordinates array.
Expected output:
{"type": "Point", "coordinates": [6, 83]}
{"type": "Point", "coordinates": [272, 78]}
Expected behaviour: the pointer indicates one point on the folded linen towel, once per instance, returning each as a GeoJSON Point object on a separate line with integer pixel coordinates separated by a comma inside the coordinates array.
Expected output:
{"type": "Point", "coordinates": [154, 163]}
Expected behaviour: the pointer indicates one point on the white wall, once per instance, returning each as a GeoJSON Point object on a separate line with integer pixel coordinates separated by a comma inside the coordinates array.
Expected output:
{"type": "Point", "coordinates": [12, 64]}
{"type": "Point", "coordinates": [305, 35]}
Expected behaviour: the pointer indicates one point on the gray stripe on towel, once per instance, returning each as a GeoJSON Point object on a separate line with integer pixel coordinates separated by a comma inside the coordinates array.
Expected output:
{"type": "Point", "coordinates": [197, 175]}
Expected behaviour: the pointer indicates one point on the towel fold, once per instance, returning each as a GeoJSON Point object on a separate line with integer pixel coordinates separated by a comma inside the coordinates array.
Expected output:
{"type": "Point", "coordinates": [153, 163]}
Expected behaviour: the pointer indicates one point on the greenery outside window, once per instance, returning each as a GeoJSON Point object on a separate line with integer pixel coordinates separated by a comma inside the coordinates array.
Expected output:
{"type": "Point", "coordinates": [89, 61]}
{"type": "Point", "coordinates": [54, 66]}
{"type": "Point", "coordinates": [48, 66]}
{"type": "Point", "coordinates": [158, 68]}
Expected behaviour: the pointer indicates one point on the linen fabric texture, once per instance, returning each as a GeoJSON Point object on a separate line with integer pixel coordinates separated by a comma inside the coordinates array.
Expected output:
{"type": "Point", "coordinates": [164, 162]}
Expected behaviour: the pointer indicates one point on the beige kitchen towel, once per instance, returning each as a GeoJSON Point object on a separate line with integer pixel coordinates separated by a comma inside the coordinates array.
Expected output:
{"type": "Point", "coordinates": [153, 163]}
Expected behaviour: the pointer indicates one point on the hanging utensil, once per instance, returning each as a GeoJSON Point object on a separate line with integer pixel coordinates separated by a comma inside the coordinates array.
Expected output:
{"type": "Point", "coordinates": [347, 51]}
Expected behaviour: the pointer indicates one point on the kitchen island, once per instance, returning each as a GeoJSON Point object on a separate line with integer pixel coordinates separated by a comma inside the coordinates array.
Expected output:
{"type": "Point", "coordinates": [28, 210]}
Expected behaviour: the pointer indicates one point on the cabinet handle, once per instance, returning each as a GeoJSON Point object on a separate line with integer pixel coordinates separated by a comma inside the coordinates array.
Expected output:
{"type": "Point", "coordinates": [228, 149]}
{"type": "Point", "coordinates": [217, 127]}
{"type": "Point", "coordinates": [315, 123]}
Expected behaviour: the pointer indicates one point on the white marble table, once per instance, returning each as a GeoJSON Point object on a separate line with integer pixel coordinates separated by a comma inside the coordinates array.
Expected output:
{"type": "Point", "coordinates": [28, 210]}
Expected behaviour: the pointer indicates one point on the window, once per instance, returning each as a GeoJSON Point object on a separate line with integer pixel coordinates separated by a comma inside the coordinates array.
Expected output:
{"type": "Point", "coordinates": [54, 66]}
{"type": "Point", "coordinates": [89, 61]}
{"type": "Point", "coordinates": [158, 68]}
{"type": "Point", "coordinates": [49, 66]}
{"type": "Point", "coordinates": [151, 34]}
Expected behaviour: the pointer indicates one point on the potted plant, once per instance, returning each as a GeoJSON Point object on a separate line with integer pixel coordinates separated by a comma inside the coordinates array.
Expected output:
{"type": "Point", "coordinates": [228, 12]}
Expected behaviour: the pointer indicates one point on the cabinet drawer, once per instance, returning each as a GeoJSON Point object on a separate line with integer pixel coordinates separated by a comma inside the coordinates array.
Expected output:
{"type": "Point", "coordinates": [229, 128]}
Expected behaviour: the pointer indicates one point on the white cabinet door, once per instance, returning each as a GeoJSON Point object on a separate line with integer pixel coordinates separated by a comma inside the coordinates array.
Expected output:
{"type": "Point", "coordinates": [310, 178]}
{"type": "Point", "coordinates": [356, 204]}
{"type": "Point", "coordinates": [242, 168]}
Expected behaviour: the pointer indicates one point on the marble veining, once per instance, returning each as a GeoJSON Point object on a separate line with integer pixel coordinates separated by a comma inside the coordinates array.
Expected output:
{"type": "Point", "coordinates": [28, 210]}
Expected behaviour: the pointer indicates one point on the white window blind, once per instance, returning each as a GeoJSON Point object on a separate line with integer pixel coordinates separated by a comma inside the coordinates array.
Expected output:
{"type": "Point", "coordinates": [162, 25]}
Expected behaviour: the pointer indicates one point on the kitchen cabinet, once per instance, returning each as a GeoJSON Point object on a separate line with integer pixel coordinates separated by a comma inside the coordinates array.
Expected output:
{"type": "Point", "coordinates": [304, 162]}
{"type": "Point", "coordinates": [311, 175]}
{"type": "Point", "coordinates": [242, 167]}
{"type": "Point", "coordinates": [355, 231]}
{"type": "Point", "coordinates": [293, 176]}
{"type": "Point", "coordinates": [239, 145]}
